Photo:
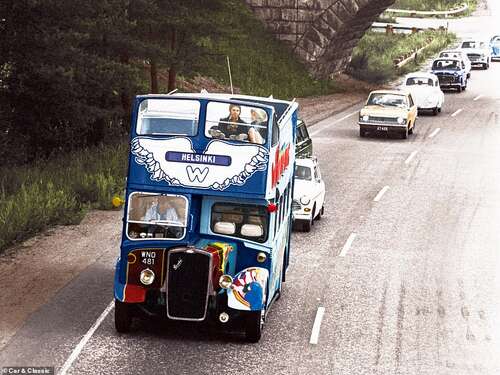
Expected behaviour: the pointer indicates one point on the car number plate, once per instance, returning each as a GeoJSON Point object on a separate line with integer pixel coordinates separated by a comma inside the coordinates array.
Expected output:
{"type": "Point", "coordinates": [382, 128]}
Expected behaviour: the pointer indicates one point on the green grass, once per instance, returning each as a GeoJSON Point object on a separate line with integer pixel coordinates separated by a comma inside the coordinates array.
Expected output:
{"type": "Point", "coordinates": [59, 191]}
{"type": "Point", "coordinates": [435, 5]}
{"type": "Point", "coordinates": [260, 64]}
{"type": "Point", "coordinates": [373, 58]}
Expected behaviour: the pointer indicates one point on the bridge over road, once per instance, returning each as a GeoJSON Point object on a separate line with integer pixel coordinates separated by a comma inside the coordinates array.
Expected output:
{"type": "Point", "coordinates": [322, 33]}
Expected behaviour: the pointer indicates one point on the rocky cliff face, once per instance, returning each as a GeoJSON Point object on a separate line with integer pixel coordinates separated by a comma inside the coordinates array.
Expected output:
{"type": "Point", "coordinates": [322, 33]}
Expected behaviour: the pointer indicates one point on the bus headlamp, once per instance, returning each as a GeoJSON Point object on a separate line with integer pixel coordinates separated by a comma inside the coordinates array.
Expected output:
{"type": "Point", "coordinates": [147, 277]}
{"type": "Point", "coordinates": [225, 281]}
{"type": "Point", "coordinates": [261, 257]}
{"type": "Point", "coordinates": [366, 118]}
{"type": "Point", "coordinates": [401, 120]}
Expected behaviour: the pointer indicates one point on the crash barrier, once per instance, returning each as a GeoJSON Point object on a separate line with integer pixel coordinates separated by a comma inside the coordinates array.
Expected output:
{"type": "Point", "coordinates": [399, 63]}
{"type": "Point", "coordinates": [391, 28]}
{"type": "Point", "coordinates": [462, 9]}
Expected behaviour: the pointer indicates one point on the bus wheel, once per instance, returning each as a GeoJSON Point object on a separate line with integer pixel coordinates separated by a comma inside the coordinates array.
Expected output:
{"type": "Point", "coordinates": [253, 325]}
{"type": "Point", "coordinates": [123, 316]}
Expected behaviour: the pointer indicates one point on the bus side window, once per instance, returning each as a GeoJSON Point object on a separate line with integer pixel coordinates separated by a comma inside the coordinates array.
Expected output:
{"type": "Point", "coordinates": [276, 133]}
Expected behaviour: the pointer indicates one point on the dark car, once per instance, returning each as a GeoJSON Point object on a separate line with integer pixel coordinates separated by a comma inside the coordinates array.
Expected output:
{"type": "Point", "coordinates": [451, 73]}
{"type": "Point", "coordinates": [303, 143]}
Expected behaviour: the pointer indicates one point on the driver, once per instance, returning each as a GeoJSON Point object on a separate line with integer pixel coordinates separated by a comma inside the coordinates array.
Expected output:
{"type": "Point", "coordinates": [161, 210]}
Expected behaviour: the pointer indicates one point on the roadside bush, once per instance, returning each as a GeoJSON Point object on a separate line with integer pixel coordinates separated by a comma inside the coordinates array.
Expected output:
{"type": "Point", "coordinates": [439, 5]}
{"type": "Point", "coordinates": [59, 190]}
{"type": "Point", "coordinates": [373, 58]}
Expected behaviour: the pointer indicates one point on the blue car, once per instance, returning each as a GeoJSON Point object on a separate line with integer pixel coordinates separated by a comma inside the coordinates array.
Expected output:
{"type": "Point", "coordinates": [451, 73]}
{"type": "Point", "coordinates": [495, 47]}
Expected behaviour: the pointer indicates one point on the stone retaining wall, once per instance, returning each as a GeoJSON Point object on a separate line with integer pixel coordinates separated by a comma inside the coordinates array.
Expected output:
{"type": "Point", "coordinates": [322, 33]}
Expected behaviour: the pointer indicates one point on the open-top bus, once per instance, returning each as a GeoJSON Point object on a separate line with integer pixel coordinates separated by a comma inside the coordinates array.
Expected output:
{"type": "Point", "coordinates": [207, 216]}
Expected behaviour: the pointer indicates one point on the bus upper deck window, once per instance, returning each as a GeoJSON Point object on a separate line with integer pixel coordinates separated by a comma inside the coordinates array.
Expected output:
{"type": "Point", "coordinates": [168, 117]}
{"type": "Point", "coordinates": [236, 122]}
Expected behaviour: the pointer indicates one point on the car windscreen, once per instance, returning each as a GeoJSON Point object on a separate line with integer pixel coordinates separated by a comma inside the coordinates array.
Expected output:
{"type": "Point", "coordinates": [237, 122]}
{"type": "Point", "coordinates": [387, 100]}
{"type": "Point", "coordinates": [469, 44]}
{"type": "Point", "coordinates": [168, 117]}
{"type": "Point", "coordinates": [303, 173]}
{"type": "Point", "coordinates": [446, 65]}
{"type": "Point", "coordinates": [419, 81]}
{"type": "Point", "coordinates": [156, 216]}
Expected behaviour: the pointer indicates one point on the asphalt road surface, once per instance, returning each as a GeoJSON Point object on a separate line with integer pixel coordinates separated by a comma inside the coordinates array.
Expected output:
{"type": "Point", "coordinates": [407, 284]}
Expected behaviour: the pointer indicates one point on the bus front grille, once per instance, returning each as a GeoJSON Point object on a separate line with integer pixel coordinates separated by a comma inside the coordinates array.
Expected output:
{"type": "Point", "coordinates": [188, 283]}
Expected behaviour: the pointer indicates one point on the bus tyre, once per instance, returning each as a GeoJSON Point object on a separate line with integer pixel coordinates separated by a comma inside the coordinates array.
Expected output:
{"type": "Point", "coordinates": [253, 326]}
{"type": "Point", "coordinates": [123, 316]}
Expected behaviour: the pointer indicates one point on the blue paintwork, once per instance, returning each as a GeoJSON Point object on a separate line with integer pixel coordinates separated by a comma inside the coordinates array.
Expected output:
{"type": "Point", "coordinates": [495, 47]}
{"type": "Point", "coordinates": [460, 76]}
{"type": "Point", "coordinates": [198, 232]}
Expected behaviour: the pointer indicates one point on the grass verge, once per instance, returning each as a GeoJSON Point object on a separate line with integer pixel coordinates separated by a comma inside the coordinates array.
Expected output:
{"type": "Point", "coordinates": [260, 64]}
{"type": "Point", "coordinates": [59, 191]}
{"type": "Point", "coordinates": [435, 5]}
{"type": "Point", "coordinates": [373, 58]}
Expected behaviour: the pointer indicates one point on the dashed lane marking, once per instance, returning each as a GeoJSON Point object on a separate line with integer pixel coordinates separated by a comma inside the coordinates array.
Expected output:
{"type": "Point", "coordinates": [478, 97]}
{"type": "Point", "coordinates": [410, 158]}
{"type": "Point", "coordinates": [347, 245]}
{"type": "Point", "coordinates": [317, 326]}
{"type": "Point", "coordinates": [381, 193]}
{"type": "Point", "coordinates": [456, 112]}
{"type": "Point", "coordinates": [433, 134]}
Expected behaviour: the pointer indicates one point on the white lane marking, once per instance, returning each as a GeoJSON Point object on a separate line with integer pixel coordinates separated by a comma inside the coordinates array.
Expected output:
{"type": "Point", "coordinates": [332, 123]}
{"type": "Point", "coordinates": [410, 158]}
{"type": "Point", "coordinates": [456, 112]}
{"type": "Point", "coordinates": [347, 245]}
{"type": "Point", "coordinates": [317, 325]}
{"type": "Point", "coordinates": [478, 97]}
{"type": "Point", "coordinates": [434, 133]}
{"type": "Point", "coordinates": [380, 194]}
{"type": "Point", "coordinates": [76, 352]}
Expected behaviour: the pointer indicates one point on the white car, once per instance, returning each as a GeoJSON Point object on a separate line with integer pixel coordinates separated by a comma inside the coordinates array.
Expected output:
{"type": "Point", "coordinates": [478, 51]}
{"type": "Point", "coordinates": [459, 54]}
{"type": "Point", "coordinates": [425, 90]}
{"type": "Point", "coordinates": [308, 194]}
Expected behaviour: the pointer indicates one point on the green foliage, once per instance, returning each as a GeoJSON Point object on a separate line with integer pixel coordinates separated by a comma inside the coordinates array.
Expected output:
{"type": "Point", "coordinates": [35, 197]}
{"type": "Point", "coordinates": [373, 58]}
{"type": "Point", "coordinates": [439, 5]}
{"type": "Point", "coordinates": [260, 65]}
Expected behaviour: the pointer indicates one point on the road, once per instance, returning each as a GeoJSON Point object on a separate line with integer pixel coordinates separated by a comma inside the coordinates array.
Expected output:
{"type": "Point", "coordinates": [409, 283]}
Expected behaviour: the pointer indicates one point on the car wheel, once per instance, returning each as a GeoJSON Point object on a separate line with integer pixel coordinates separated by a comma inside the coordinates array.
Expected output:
{"type": "Point", "coordinates": [487, 66]}
{"type": "Point", "coordinates": [314, 214]}
{"type": "Point", "coordinates": [320, 213]}
{"type": "Point", "coordinates": [468, 75]}
{"type": "Point", "coordinates": [435, 111]}
{"type": "Point", "coordinates": [439, 109]}
{"type": "Point", "coordinates": [410, 131]}
{"type": "Point", "coordinates": [306, 227]}
{"type": "Point", "coordinates": [362, 132]}
{"type": "Point", "coordinates": [322, 210]}
{"type": "Point", "coordinates": [123, 316]}
{"type": "Point", "coordinates": [404, 134]}
{"type": "Point", "coordinates": [459, 88]}
{"type": "Point", "coordinates": [253, 326]}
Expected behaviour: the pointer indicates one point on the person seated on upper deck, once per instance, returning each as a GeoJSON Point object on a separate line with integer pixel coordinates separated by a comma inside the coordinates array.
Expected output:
{"type": "Point", "coordinates": [233, 127]}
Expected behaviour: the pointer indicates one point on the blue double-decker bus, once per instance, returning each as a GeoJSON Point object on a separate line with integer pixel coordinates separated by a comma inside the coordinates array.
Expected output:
{"type": "Point", "coordinates": [207, 216]}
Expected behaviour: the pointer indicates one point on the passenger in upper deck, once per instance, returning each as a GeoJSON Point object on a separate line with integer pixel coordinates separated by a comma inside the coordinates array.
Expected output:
{"type": "Point", "coordinates": [233, 127]}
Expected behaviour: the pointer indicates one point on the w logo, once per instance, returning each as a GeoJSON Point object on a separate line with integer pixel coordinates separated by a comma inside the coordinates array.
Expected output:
{"type": "Point", "coordinates": [196, 173]}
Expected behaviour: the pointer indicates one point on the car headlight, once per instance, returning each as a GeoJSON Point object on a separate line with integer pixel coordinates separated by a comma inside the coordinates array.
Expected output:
{"type": "Point", "coordinates": [305, 201]}
{"type": "Point", "coordinates": [366, 118]}
{"type": "Point", "coordinates": [147, 277]}
{"type": "Point", "coordinates": [401, 120]}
